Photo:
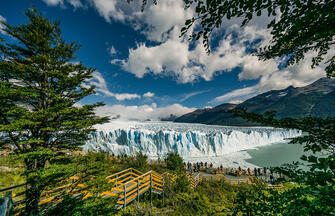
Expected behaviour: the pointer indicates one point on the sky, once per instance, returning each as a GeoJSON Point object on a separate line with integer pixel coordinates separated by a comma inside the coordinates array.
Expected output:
{"type": "Point", "coordinates": [145, 70]}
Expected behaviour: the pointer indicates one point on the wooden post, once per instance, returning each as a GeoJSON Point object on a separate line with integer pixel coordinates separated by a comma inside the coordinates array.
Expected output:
{"type": "Point", "coordinates": [124, 196]}
{"type": "Point", "coordinates": [151, 188]}
{"type": "Point", "coordinates": [7, 204]}
{"type": "Point", "coordinates": [138, 190]}
{"type": "Point", "coordinates": [163, 192]}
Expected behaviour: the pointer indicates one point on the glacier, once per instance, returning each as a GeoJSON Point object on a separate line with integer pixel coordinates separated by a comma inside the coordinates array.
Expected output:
{"type": "Point", "coordinates": [156, 139]}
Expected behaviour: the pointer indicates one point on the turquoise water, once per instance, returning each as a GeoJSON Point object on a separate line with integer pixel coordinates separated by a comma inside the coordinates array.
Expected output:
{"type": "Point", "coordinates": [275, 154]}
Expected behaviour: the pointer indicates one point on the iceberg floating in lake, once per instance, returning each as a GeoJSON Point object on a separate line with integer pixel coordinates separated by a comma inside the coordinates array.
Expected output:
{"type": "Point", "coordinates": [156, 139]}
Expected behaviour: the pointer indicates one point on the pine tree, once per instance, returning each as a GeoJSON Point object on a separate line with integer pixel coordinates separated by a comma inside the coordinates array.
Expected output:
{"type": "Point", "coordinates": [40, 89]}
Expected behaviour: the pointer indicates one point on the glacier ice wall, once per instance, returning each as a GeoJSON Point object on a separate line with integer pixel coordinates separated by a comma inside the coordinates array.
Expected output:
{"type": "Point", "coordinates": [156, 139]}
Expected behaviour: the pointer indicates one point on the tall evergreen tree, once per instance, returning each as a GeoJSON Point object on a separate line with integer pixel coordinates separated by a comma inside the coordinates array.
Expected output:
{"type": "Point", "coordinates": [40, 88]}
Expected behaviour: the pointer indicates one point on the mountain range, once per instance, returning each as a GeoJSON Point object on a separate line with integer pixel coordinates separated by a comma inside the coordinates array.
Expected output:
{"type": "Point", "coordinates": [316, 99]}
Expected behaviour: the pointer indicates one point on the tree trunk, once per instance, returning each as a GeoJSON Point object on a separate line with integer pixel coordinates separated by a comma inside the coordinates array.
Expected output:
{"type": "Point", "coordinates": [34, 186]}
{"type": "Point", "coordinates": [33, 193]}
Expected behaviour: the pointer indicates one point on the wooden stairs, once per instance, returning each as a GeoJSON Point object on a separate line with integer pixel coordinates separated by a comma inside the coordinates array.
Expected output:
{"type": "Point", "coordinates": [130, 184]}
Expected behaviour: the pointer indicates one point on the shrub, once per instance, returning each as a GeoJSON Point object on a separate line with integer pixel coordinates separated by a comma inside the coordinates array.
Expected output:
{"type": "Point", "coordinates": [139, 161]}
{"type": "Point", "coordinates": [174, 162]}
{"type": "Point", "coordinates": [182, 184]}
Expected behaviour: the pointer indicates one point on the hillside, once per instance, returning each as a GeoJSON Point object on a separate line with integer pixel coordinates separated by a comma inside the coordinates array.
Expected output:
{"type": "Point", "coordinates": [316, 99]}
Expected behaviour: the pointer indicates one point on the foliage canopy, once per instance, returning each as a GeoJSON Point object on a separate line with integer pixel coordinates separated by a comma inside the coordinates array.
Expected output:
{"type": "Point", "coordinates": [297, 27]}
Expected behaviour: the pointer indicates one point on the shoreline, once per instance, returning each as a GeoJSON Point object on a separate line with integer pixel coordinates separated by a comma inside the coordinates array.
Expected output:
{"type": "Point", "coordinates": [232, 160]}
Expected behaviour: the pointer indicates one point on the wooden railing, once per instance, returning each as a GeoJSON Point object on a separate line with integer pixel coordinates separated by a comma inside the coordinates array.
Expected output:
{"type": "Point", "coordinates": [276, 187]}
{"type": "Point", "coordinates": [239, 181]}
{"type": "Point", "coordinates": [214, 178]}
{"type": "Point", "coordinates": [130, 184]}
{"type": "Point", "coordinates": [66, 186]}
{"type": "Point", "coordinates": [127, 185]}
{"type": "Point", "coordinates": [169, 177]}
{"type": "Point", "coordinates": [194, 180]}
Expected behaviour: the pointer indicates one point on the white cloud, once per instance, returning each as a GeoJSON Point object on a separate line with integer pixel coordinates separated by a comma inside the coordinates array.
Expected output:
{"type": "Point", "coordinates": [143, 112]}
{"type": "Point", "coordinates": [188, 62]}
{"type": "Point", "coordinates": [235, 101]}
{"type": "Point", "coordinates": [239, 94]}
{"type": "Point", "coordinates": [118, 10]}
{"type": "Point", "coordinates": [148, 94]}
{"type": "Point", "coordinates": [165, 16]}
{"type": "Point", "coordinates": [101, 87]}
{"type": "Point", "coordinates": [112, 51]}
{"type": "Point", "coordinates": [297, 75]}
{"type": "Point", "coordinates": [154, 22]}
{"type": "Point", "coordinates": [126, 96]}
{"type": "Point", "coordinates": [54, 2]}
{"type": "Point", "coordinates": [2, 26]}
{"type": "Point", "coordinates": [173, 55]}
{"type": "Point", "coordinates": [189, 95]}
{"type": "Point", "coordinates": [175, 58]}
{"type": "Point", "coordinates": [75, 3]}
{"type": "Point", "coordinates": [158, 60]}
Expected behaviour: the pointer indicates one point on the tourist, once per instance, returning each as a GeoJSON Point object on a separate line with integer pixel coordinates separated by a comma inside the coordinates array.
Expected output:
{"type": "Point", "coordinates": [271, 178]}
{"type": "Point", "coordinates": [249, 171]}
{"type": "Point", "coordinates": [255, 171]}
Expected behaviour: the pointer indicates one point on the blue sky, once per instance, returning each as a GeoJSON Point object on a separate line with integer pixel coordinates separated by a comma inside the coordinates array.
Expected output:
{"type": "Point", "coordinates": [143, 66]}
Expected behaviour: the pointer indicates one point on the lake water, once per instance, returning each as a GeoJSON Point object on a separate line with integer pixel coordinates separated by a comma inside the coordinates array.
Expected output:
{"type": "Point", "coordinates": [275, 154]}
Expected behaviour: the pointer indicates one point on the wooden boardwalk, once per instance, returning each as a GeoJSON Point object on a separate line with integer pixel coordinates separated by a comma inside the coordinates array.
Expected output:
{"type": "Point", "coordinates": [128, 185]}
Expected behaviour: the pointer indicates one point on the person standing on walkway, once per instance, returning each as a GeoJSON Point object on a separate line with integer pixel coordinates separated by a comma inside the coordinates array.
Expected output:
{"type": "Point", "coordinates": [271, 178]}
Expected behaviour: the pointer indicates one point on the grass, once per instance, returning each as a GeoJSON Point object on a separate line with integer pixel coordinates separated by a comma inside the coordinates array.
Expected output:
{"type": "Point", "coordinates": [11, 174]}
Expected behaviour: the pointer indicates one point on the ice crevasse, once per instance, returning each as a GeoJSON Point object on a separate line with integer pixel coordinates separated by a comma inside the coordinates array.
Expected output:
{"type": "Point", "coordinates": [156, 139]}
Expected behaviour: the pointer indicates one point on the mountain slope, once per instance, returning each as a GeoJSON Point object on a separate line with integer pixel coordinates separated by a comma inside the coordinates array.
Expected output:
{"type": "Point", "coordinates": [316, 99]}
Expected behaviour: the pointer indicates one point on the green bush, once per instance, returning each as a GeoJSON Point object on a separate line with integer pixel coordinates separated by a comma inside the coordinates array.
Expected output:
{"type": "Point", "coordinates": [182, 184]}
{"type": "Point", "coordinates": [193, 204]}
{"type": "Point", "coordinates": [138, 209]}
{"type": "Point", "coordinates": [78, 207]}
{"type": "Point", "coordinates": [174, 162]}
{"type": "Point", "coordinates": [139, 161]}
